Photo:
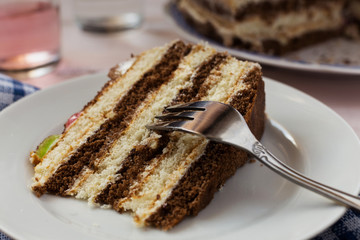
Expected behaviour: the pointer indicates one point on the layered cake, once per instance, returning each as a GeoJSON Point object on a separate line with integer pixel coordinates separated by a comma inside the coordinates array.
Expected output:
{"type": "Point", "coordinates": [108, 157]}
{"type": "Point", "coordinates": [266, 26]}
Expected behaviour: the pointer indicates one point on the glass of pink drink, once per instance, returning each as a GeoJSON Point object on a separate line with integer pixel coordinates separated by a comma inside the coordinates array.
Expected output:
{"type": "Point", "coordinates": [29, 34]}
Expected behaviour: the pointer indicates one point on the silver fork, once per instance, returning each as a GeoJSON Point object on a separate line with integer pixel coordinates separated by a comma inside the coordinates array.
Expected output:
{"type": "Point", "coordinates": [222, 123]}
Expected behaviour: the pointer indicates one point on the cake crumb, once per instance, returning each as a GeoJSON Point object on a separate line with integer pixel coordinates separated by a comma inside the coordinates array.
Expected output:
{"type": "Point", "coordinates": [252, 160]}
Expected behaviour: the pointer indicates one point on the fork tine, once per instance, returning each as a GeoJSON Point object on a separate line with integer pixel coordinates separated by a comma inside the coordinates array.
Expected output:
{"type": "Point", "coordinates": [167, 125]}
{"type": "Point", "coordinates": [177, 115]}
{"type": "Point", "coordinates": [193, 106]}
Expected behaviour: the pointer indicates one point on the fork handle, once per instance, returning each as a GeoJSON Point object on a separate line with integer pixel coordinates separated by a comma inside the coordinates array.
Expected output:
{"type": "Point", "coordinates": [268, 159]}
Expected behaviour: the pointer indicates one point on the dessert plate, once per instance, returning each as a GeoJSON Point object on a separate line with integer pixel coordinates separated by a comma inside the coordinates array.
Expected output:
{"type": "Point", "coordinates": [335, 56]}
{"type": "Point", "coordinates": [254, 204]}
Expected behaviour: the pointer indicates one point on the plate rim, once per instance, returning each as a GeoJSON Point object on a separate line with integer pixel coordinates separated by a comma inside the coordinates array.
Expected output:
{"type": "Point", "coordinates": [340, 211]}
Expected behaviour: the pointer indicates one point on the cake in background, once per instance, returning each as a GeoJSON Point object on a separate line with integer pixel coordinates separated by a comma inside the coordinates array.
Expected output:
{"type": "Point", "coordinates": [273, 27]}
{"type": "Point", "coordinates": [108, 157]}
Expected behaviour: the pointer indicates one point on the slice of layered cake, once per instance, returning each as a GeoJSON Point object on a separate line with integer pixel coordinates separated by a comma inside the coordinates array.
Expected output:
{"type": "Point", "coordinates": [267, 26]}
{"type": "Point", "coordinates": [108, 157]}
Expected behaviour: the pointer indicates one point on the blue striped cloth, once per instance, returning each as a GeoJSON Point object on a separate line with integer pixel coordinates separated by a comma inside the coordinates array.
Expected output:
{"type": "Point", "coordinates": [347, 228]}
{"type": "Point", "coordinates": [11, 91]}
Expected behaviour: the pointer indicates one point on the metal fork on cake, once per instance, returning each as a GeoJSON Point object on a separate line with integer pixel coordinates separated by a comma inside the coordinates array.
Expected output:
{"type": "Point", "coordinates": [222, 123]}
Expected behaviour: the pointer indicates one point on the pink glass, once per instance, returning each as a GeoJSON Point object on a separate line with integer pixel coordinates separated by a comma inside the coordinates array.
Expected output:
{"type": "Point", "coordinates": [29, 34]}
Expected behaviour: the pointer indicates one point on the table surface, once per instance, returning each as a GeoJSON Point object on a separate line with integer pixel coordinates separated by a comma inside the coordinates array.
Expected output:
{"type": "Point", "coordinates": [86, 52]}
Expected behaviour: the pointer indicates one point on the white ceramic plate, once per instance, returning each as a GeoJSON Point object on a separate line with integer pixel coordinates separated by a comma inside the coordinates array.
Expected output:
{"type": "Point", "coordinates": [254, 204]}
{"type": "Point", "coordinates": [335, 56]}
